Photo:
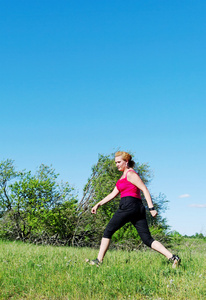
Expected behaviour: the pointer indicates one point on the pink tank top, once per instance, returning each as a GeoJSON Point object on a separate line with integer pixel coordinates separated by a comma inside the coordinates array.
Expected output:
{"type": "Point", "coordinates": [126, 188]}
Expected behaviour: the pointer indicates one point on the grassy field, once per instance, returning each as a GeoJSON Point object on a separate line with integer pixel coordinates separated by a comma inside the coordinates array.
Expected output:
{"type": "Point", "coordinates": [45, 272]}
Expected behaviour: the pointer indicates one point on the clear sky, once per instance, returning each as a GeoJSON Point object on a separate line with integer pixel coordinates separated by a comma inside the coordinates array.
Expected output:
{"type": "Point", "coordinates": [79, 78]}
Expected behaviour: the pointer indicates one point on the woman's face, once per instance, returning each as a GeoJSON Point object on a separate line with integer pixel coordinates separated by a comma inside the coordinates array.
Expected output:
{"type": "Point", "coordinates": [120, 163]}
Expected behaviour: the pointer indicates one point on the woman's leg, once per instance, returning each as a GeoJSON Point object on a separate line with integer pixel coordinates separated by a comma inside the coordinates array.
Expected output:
{"type": "Point", "coordinates": [157, 246]}
{"type": "Point", "coordinates": [161, 249]}
{"type": "Point", "coordinates": [103, 248]}
{"type": "Point", "coordinates": [118, 220]}
{"type": "Point", "coordinates": [143, 230]}
{"type": "Point", "coordinates": [141, 225]}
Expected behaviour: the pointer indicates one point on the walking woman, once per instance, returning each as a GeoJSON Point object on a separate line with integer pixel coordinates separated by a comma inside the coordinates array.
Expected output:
{"type": "Point", "coordinates": [131, 209]}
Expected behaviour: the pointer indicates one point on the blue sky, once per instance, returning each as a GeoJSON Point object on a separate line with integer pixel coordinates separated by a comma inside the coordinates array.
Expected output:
{"type": "Point", "coordinates": [80, 78]}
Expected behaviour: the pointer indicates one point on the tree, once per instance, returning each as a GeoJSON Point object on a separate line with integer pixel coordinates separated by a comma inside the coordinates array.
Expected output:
{"type": "Point", "coordinates": [103, 178]}
{"type": "Point", "coordinates": [36, 203]}
{"type": "Point", "coordinates": [7, 174]}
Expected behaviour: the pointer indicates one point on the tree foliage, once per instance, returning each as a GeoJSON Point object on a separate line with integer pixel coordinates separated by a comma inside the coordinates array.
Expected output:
{"type": "Point", "coordinates": [7, 174]}
{"type": "Point", "coordinates": [37, 203]}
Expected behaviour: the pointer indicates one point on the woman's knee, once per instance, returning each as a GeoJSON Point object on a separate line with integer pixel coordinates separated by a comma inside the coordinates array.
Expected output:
{"type": "Point", "coordinates": [148, 241]}
{"type": "Point", "coordinates": [108, 234]}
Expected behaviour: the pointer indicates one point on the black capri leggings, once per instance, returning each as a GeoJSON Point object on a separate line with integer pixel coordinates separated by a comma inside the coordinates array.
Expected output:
{"type": "Point", "coordinates": [130, 210]}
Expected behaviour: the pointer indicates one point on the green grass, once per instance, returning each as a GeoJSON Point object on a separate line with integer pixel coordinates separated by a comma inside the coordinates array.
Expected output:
{"type": "Point", "coordinates": [45, 272]}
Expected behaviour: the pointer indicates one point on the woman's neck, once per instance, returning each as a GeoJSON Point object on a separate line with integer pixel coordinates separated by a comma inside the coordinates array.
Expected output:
{"type": "Point", "coordinates": [125, 171]}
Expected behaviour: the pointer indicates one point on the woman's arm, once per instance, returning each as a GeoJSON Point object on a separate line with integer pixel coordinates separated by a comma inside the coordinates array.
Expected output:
{"type": "Point", "coordinates": [109, 197]}
{"type": "Point", "coordinates": [136, 180]}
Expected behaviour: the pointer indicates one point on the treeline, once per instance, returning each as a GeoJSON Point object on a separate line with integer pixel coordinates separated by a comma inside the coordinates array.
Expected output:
{"type": "Point", "coordinates": [197, 236]}
{"type": "Point", "coordinates": [38, 208]}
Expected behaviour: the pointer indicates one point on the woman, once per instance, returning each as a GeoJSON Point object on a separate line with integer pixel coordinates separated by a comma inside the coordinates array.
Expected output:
{"type": "Point", "coordinates": [130, 209]}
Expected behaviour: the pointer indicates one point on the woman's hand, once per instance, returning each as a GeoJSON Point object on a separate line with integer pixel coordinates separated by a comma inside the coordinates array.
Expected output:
{"type": "Point", "coordinates": [154, 213]}
{"type": "Point", "coordinates": [94, 209]}
{"type": "Point", "coordinates": [109, 197]}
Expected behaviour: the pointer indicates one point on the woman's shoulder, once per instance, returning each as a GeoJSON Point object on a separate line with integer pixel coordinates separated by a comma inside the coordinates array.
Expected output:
{"type": "Point", "coordinates": [131, 173]}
